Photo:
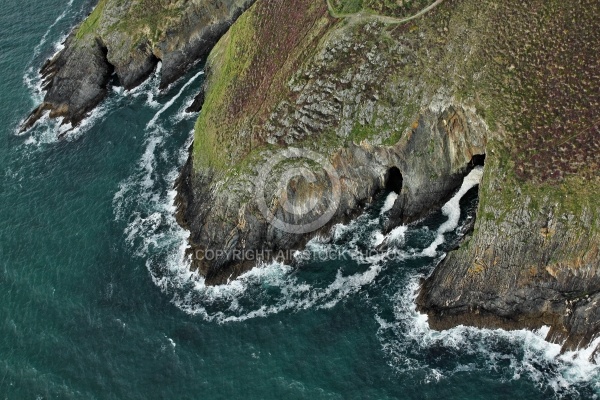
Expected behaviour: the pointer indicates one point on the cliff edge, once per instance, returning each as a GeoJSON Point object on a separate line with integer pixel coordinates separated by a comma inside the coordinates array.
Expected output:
{"type": "Point", "coordinates": [125, 40]}
{"type": "Point", "coordinates": [301, 132]}
{"type": "Point", "coordinates": [354, 97]}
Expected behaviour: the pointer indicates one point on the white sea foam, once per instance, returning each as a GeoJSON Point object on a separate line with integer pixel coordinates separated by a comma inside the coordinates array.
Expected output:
{"type": "Point", "coordinates": [182, 114]}
{"type": "Point", "coordinates": [288, 291]}
{"type": "Point", "coordinates": [169, 103]}
{"type": "Point", "coordinates": [525, 352]}
{"type": "Point", "coordinates": [48, 130]}
{"type": "Point", "coordinates": [452, 210]}
{"type": "Point", "coordinates": [145, 202]}
{"type": "Point", "coordinates": [389, 202]}
{"type": "Point", "coordinates": [397, 234]}
{"type": "Point", "coordinates": [152, 227]}
{"type": "Point", "coordinates": [38, 48]}
{"type": "Point", "coordinates": [31, 78]}
{"type": "Point", "coordinates": [294, 295]}
{"type": "Point", "coordinates": [377, 238]}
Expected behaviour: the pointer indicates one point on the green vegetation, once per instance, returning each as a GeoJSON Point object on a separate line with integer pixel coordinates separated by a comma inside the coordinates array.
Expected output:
{"type": "Point", "coordinates": [363, 132]}
{"type": "Point", "coordinates": [390, 8]}
{"type": "Point", "coordinates": [231, 57]}
{"type": "Point", "coordinates": [549, 75]}
{"type": "Point", "coordinates": [91, 23]}
{"type": "Point", "coordinates": [143, 19]}
{"type": "Point", "coordinates": [249, 74]}
{"type": "Point", "coordinates": [347, 6]}
{"type": "Point", "coordinates": [149, 19]}
{"type": "Point", "coordinates": [503, 192]}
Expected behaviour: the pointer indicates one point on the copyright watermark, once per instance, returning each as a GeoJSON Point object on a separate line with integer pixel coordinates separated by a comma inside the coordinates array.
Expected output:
{"type": "Point", "coordinates": [306, 213]}
{"type": "Point", "coordinates": [324, 255]}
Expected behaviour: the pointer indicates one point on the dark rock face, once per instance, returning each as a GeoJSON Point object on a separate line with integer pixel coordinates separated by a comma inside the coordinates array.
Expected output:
{"type": "Point", "coordinates": [177, 59]}
{"type": "Point", "coordinates": [76, 79]}
{"type": "Point", "coordinates": [198, 101]}
{"type": "Point", "coordinates": [222, 213]}
{"type": "Point", "coordinates": [536, 265]}
{"type": "Point", "coordinates": [135, 70]}
{"type": "Point", "coordinates": [425, 185]}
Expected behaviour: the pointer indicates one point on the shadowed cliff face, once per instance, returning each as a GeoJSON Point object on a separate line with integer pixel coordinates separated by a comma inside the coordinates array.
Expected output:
{"type": "Point", "coordinates": [532, 261]}
{"type": "Point", "coordinates": [430, 98]}
{"type": "Point", "coordinates": [225, 214]}
{"type": "Point", "coordinates": [128, 38]}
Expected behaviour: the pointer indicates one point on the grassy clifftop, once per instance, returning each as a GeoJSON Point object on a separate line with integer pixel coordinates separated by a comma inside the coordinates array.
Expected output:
{"type": "Point", "coordinates": [392, 8]}
{"type": "Point", "coordinates": [550, 52]}
{"type": "Point", "coordinates": [531, 68]}
{"type": "Point", "coordinates": [249, 71]}
{"type": "Point", "coordinates": [141, 19]}
{"type": "Point", "coordinates": [290, 72]}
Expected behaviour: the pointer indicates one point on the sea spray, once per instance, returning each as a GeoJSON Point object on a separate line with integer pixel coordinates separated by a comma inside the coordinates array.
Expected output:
{"type": "Point", "coordinates": [452, 210]}
{"type": "Point", "coordinates": [389, 202]}
{"type": "Point", "coordinates": [514, 354]}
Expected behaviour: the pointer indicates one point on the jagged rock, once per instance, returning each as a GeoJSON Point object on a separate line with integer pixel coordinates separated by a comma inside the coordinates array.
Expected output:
{"type": "Point", "coordinates": [369, 97]}
{"type": "Point", "coordinates": [222, 213]}
{"type": "Point", "coordinates": [198, 101]}
{"type": "Point", "coordinates": [75, 80]}
{"type": "Point", "coordinates": [128, 38]}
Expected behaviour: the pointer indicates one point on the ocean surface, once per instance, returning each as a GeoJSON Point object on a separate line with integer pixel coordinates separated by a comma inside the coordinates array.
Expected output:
{"type": "Point", "coordinates": [96, 301]}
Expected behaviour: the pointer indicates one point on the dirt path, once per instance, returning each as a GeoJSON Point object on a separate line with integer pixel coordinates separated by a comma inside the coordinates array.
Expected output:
{"type": "Point", "coordinates": [383, 18]}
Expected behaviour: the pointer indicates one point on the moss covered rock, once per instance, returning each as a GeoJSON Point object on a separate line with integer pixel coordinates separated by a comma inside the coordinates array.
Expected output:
{"type": "Point", "coordinates": [350, 81]}
{"type": "Point", "coordinates": [129, 38]}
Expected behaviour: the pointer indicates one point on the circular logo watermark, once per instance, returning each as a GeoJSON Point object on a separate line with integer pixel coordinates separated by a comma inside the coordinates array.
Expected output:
{"type": "Point", "coordinates": [287, 165]}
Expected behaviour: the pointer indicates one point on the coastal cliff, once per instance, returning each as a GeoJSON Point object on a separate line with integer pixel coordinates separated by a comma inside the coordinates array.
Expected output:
{"type": "Point", "coordinates": [312, 107]}
{"type": "Point", "coordinates": [533, 258]}
{"type": "Point", "coordinates": [127, 39]}
{"type": "Point", "coordinates": [311, 99]}
{"type": "Point", "coordinates": [389, 101]}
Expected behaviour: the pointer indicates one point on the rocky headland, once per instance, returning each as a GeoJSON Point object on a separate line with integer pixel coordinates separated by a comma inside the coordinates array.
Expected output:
{"type": "Point", "coordinates": [124, 40]}
{"type": "Point", "coordinates": [342, 99]}
{"type": "Point", "coordinates": [372, 92]}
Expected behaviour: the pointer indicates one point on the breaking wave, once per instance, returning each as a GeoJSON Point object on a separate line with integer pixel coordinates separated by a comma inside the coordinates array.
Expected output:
{"type": "Point", "coordinates": [411, 346]}
{"type": "Point", "coordinates": [387, 266]}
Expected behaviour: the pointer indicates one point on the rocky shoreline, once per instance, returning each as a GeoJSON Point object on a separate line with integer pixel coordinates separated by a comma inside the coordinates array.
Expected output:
{"type": "Point", "coordinates": [125, 40]}
{"type": "Point", "coordinates": [371, 97]}
{"type": "Point", "coordinates": [308, 113]}
{"type": "Point", "coordinates": [222, 213]}
{"type": "Point", "coordinates": [536, 265]}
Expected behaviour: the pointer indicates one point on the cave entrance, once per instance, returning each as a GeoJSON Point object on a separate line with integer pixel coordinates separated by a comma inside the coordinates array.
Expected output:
{"type": "Point", "coordinates": [478, 160]}
{"type": "Point", "coordinates": [393, 180]}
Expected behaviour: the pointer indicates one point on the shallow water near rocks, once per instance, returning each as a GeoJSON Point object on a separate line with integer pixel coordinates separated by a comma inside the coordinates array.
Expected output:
{"type": "Point", "coordinates": [96, 301]}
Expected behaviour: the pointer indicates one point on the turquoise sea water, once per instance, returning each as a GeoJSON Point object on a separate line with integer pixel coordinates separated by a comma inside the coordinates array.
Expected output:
{"type": "Point", "coordinates": [96, 301]}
